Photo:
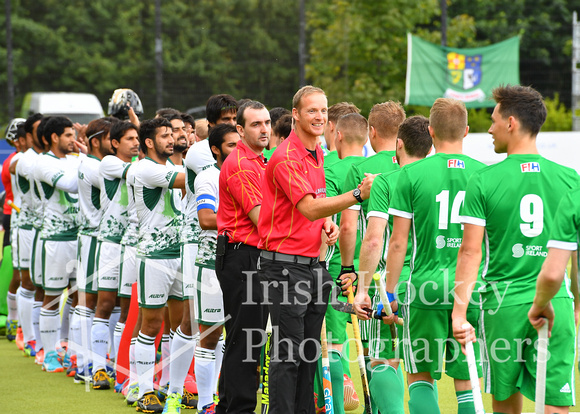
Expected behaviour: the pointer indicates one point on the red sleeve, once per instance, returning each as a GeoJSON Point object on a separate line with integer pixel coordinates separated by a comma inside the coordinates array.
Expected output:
{"type": "Point", "coordinates": [244, 184]}
{"type": "Point", "coordinates": [7, 183]}
{"type": "Point", "coordinates": [291, 178]}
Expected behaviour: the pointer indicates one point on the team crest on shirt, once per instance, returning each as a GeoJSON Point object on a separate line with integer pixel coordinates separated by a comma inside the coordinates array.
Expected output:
{"type": "Point", "coordinates": [395, 159]}
{"type": "Point", "coordinates": [530, 167]}
{"type": "Point", "coordinates": [455, 164]}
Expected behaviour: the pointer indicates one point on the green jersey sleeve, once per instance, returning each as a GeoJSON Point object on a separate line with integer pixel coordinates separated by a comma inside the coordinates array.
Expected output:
{"type": "Point", "coordinates": [402, 201]}
{"type": "Point", "coordinates": [380, 198]}
{"type": "Point", "coordinates": [566, 224]}
{"type": "Point", "coordinates": [473, 209]}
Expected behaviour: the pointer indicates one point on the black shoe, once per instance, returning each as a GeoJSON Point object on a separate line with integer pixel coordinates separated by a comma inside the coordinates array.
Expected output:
{"type": "Point", "coordinates": [188, 400]}
{"type": "Point", "coordinates": [149, 403]}
{"type": "Point", "coordinates": [101, 380]}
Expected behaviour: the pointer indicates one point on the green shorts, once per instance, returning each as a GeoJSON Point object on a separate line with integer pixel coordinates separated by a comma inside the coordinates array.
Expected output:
{"type": "Point", "coordinates": [428, 343]}
{"type": "Point", "coordinates": [336, 325]}
{"type": "Point", "coordinates": [510, 353]}
{"type": "Point", "coordinates": [380, 339]}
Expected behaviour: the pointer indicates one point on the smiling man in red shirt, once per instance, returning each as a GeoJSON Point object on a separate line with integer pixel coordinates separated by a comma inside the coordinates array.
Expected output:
{"type": "Point", "coordinates": [292, 220]}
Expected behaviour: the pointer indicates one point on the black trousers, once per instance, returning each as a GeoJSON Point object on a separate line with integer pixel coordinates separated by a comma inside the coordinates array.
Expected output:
{"type": "Point", "coordinates": [297, 297]}
{"type": "Point", "coordinates": [245, 324]}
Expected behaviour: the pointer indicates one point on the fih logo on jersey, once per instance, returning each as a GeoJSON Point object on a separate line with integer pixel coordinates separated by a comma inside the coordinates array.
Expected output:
{"type": "Point", "coordinates": [530, 167]}
{"type": "Point", "coordinates": [455, 164]}
{"type": "Point", "coordinates": [395, 159]}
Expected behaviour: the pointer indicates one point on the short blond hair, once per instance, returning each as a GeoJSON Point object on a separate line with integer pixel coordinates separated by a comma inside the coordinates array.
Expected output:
{"type": "Point", "coordinates": [354, 128]}
{"type": "Point", "coordinates": [303, 92]}
{"type": "Point", "coordinates": [386, 117]}
{"type": "Point", "coordinates": [448, 118]}
{"type": "Point", "coordinates": [340, 109]}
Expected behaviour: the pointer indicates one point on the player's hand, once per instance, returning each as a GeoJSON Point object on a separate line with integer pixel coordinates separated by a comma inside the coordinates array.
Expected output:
{"type": "Point", "coordinates": [332, 231]}
{"type": "Point", "coordinates": [393, 318]}
{"type": "Point", "coordinates": [362, 302]}
{"type": "Point", "coordinates": [365, 186]}
{"type": "Point", "coordinates": [133, 118]}
{"type": "Point", "coordinates": [461, 333]}
{"type": "Point", "coordinates": [538, 316]}
{"type": "Point", "coordinates": [345, 281]}
{"type": "Point", "coordinates": [80, 147]}
{"type": "Point", "coordinates": [81, 130]}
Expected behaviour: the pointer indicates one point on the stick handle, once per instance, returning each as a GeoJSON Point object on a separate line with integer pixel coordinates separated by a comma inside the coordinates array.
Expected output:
{"type": "Point", "coordinates": [14, 206]}
{"type": "Point", "coordinates": [541, 368]}
{"type": "Point", "coordinates": [326, 379]}
{"type": "Point", "coordinates": [383, 294]}
{"type": "Point", "coordinates": [360, 357]}
{"type": "Point", "coordinates": [473, 377]}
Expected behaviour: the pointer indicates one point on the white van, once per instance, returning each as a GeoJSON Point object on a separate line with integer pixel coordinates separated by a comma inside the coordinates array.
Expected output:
{"type": "Point", "coordinates": [79, 107]}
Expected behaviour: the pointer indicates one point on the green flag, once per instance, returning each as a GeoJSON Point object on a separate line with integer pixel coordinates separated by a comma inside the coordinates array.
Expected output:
{"type": "Point", "coordinates": [466, 74]}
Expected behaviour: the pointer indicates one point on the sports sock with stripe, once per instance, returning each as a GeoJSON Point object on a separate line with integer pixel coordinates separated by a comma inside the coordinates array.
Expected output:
{"type": "Point", "coordinates": [165, 359]}
{"type": "Point", "coordinates": [119, 328]}
{"type": "Point", "coordinates": [204, 374]}
{"type": "Point", "coordinates": [36, 306]}
{"type": "Point", "coordinates": [65, 322]}
{"type": "Point", "coordinates": [219, 356]}
{"type": "Point", "coordinates": [49, 324]}
{"type": "Point", "coordinates": [145, 362]}
{"type": "Point", "coordinates": [100, 343]}
{"type": "Point", "coordinates": [385, 377]}
{"type": "Point", "coordinates": [465, 403]}
{"type": "Point", "coordinates": [11, 298]}
{"type": "Point", "coordinates": [181, 357]}
{"type": "Point", "coordinates": [422, 398]}
{"type": "Point", "coordinates": [113, 319]}
{"type": "Point", "coordinates": [337, 379]}
{"type": "Point", "coordinates": [74, 333]}
{"type": "Point", "coordinates": [85, 316]}
{"type": "Point", "coordinates": [133, 377]}
{"type": "Point", "coordinates": [25, 303]}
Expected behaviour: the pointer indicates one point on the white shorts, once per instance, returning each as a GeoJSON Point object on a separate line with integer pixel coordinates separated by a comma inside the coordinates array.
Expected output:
{"type": "Point", "coordinates": [108, 264]}
{"type": "Point", "coordinates": [128, 271]}
{"type": "Point", "coordinates": [22, 247]}
{"type": "Point", "coordinates": [208, 301]}
{"type": "Point", "coordinates": [158, 281]}
{"type": "Point", "coordinates": [36, 259]}
{"type": "Point", "coordinates": [188, 254]}
{"type": "Point", "coordinates": [59, 264]}
{"type": "Point", "coordinates": [87, 275]}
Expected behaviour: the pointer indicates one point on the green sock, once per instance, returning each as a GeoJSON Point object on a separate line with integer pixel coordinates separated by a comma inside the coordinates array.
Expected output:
{"type": "Point", "coordinates": [385, 378]}
{"type": "Point", "coordinates": [337, 378]}
{"type": "Point", "coordinates": [369, 373]}
{"type": "Point", "coordinates": [422, 398]}
{"type": "Point", "coordinates": [345, 359]}
{"type": "Point", "coordinates": [465, 402]}
{"type": "Point", "coordinates": [318, 388]}
{"type": "Point", "coordinates": [436, 390]}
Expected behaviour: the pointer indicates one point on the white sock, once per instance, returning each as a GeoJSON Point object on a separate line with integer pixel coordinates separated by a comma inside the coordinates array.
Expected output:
{"type": "Point", "coordinates": [11, 298]}
{"type": "Point", "coordinates": [181, 357]}
{"type": "Point", "coordinates": [100, 343]}
{"type": "Point", "coordinates": [145, 362]}
{"type": "Point", "coordinates": [115, 315]}
{"type": "Point", "coordinates": [25, 303]}
{"type": "Point", "coordinates": [219, 356]}
{"type": "Point", "coordinates": [49, 323]}
{"type": "Point", "coordinates": [165, 359]}
{"type": "Point", "coordinates": [74, 333]}
{"type": "Point", "coordinates": [204, 374]}
{"type": "Point", "coordinates": [36, 306]}
{"type": "Point", "coordinates": [133, 377]}
{"type": "Point", "coordinates": [117, 335]}
{"type": "Point", "coordinates": [65, 323]}
{"type": "Point", "coordinates": [84, 347]}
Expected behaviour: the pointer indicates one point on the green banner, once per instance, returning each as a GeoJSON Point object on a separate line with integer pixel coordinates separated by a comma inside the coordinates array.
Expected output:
{"type": "Point", "coordinates": [466, 74]}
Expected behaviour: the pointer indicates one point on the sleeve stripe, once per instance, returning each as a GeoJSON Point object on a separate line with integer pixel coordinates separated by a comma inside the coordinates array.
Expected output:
{"type": "Point", "coordinates": [399, 213]}
{"type": "Point", "coordinates": [203, 197]}
{"type": "Point", "coordinates": [378, 214]}
{"type": "Point", "coordinates": [172, 181]}
{"type": "Point", "coordinates": [562, 245]}
{"type": "Point", "coordinates": [206, 206]}
{"type": "Point", "coordinates": [355, 207]}
{"type": "Point", "coordinates": [472, 220]}
{"type": "Point", "coordinates": [124, 175]}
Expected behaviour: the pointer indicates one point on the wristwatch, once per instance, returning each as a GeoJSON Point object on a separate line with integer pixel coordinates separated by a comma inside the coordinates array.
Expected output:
{"type": "Point", "coordinates": [356, 194]}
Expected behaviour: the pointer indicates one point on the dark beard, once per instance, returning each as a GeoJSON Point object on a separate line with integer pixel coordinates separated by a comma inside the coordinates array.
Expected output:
{"type": "Point", "coordinates": [179, 148]}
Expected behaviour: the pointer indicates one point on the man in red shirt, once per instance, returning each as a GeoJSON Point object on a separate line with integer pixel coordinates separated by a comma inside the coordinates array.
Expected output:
{"type": "Point", "coordinates": [294, 215]}
{"type": "Point", "coordinates": [240, 200]}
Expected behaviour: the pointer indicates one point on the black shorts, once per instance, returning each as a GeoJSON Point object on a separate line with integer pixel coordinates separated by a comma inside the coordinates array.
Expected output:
{"type": "Point", "coordinates": [6, 225]}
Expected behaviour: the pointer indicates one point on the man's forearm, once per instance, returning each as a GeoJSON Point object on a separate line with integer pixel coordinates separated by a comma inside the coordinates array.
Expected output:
{"type": "Point", "coordinates": [370, 254]}
{"type": "Point", "coordinates": [551, 276]}
{"type": "Point", "coordinates": [317, 208]}
{"type": "Point", "coordinates": [347, 237]}
{"type": "Point", "coordinates": [465, 279]}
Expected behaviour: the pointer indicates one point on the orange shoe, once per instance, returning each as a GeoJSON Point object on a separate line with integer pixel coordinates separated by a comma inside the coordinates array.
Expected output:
{"type": "Point", "coordinates": [351, 401]}
{"type": "Point", "coordinates": [39, 359]}
{"type": "Point", "coordinates": [19, 339]}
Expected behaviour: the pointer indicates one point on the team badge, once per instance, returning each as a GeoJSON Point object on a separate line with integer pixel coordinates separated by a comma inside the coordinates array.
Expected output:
{"type": "Point", "coordinates": [464, 70]}
{"type": "Point", "coordinates": [530, 167]}
{"type": "Point", "coordinates": [455, 164]}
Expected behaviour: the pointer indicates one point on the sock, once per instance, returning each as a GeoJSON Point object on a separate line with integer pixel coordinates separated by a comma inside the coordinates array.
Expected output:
{"type": "Point", "coordinates": [65, 322]}
{"type": "Point", "coordinates": [345, 358]}
{"type": "Point", "coordinates": [368, 368]}
{"type": "Point", "coordinates": [435, 389]}
{"type": "Point", "coordinates": [165, 360]}
{"type": "Point", "coordinates": [465, 403]}
{"type": "Point", "coordinates": [100, 343]}
{"type": "Point", "coordinates": [337, 379]}
{"type": "Point", "coordinates": [36, 306]}
{"type": "Point", "coordinates": [25, 303]}
{"type": "Point", "coordinates": [11, 298]}
{"type": "Point", "coordinates": [181, 357]}
{"type": "Point", "coordinates": [219, 356]}
{"type": "Point", "coordinates": [422, 398]}
{"type": "Point", "coordinates": [204, 374]}
{"type": "Point", "coordinates": [49, 321]}
{"type": "Point", "coordinates": [85, 317]}
{"type": "Point", "coordinates": [145, 362]}
{"type": "Point", "coordinates": [113, 319]}
{"type": "Point", "coordinates": [133, 377]}
{"type": "Point", "coordinates": [384, 378]}
{"type": "Point", "coordinates": [74, 332]}
{"type": "Point", "coordinates": [117, 335]}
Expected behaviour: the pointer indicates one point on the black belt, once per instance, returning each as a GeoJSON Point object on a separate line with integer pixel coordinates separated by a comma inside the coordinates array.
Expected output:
{"type": "Point", "coordinates": [240, 246]}
{"type": "Point", "coordinates": [288, 258]}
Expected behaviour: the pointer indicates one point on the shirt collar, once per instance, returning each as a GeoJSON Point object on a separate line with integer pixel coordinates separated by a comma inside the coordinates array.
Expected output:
{"type": "Point", "coordinates": [247, 151]}
{"type": "Point", "coordinates": [301, 149]}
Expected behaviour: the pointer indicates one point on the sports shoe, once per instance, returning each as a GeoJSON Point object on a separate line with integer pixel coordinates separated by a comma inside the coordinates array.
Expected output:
{"type": "Point", "coordinates": [119, 387]}
{"type": "Point", "coordinates": [208, 409]}
{"type": "Point", "coordinates": [101, 380]}
{"type": "Point", "coordinates": [149, 403]}
{"type": "Point", "coordinates": [82, 376]}
{"type": "Point", "coordinates": [351, 401]}
{"type": "Point", "coordinates": [39, 358]}
{"type": "Point", "coordinates": [64, 359]}
{"type": "Point", "coordinates": [72, 369]}
{"type": "Point", "coordinates": [19, 339]}
{"type": "Point", "coordinates": [162, 392]}
{"type": "Point", "coordinates": [132, 394]}
{"type": "Point", "coordinates": [51, 364]}
{"type": "Point", "coordinates": [11, 328]}
{"type": "Point", "coordinates": [28, 349]}
{"type": "Point", "coordinates": [188, 400]}
{"type": "Point", "coordinates": [172, 404]}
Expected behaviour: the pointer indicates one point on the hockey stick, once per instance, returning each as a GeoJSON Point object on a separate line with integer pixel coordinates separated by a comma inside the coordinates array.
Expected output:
{"type": "Point", "coordinates": [541, 367]}
{"type": "Point", "coordinates": [266, 369]}
{"type": "Point", "coordinates": [14, 206]}
{"type": "Point", "coordinates": [349, 308]}
{"type": "Point", "coordinates": [386, 305]}
{"type": "Point", "coordinates": [326, 381]}
{"type": "Point", "coordinates": [360, 356]}
{"type": "Point", "coordinates": [473, 377]}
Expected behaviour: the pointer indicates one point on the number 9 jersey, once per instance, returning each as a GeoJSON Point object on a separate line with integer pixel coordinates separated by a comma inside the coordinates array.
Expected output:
{"type": "Point", "coordinates": [516, 201]}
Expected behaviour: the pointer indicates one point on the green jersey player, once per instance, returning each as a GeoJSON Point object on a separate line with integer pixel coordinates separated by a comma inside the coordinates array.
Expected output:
{"type": "Point", "coordinates": [512, 205]}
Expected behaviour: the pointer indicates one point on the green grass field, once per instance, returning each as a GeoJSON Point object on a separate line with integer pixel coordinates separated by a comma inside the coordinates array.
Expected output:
{"type": "Point", "coordinates": [30, 390]}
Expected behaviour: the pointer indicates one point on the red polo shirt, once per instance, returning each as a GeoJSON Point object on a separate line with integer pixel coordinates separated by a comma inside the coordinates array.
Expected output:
{"type": "Point", "coordinates": [291, 173]}
{"type": "Point", "coordinates": [7, 183]}
{"type": "Point", "coordinates": [241, 178]}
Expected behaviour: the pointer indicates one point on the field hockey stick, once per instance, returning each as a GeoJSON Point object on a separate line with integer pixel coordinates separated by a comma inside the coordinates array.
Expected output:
{"type": "Point", "coordinates": [541, 367]}
{"type": "Point", "coordinates": [326, 380]}
{"type": "Point", "coordinates": [386, 305]}
{"type": "Point", "coordinates": [266, 369]}
{"type": "Point", "coordinates": [360, 356]}
{"type": "Point", "coordinates": [473, 377]}
{"type": "Point", "coordinates": [14, 206]}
